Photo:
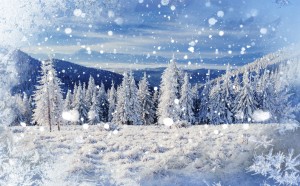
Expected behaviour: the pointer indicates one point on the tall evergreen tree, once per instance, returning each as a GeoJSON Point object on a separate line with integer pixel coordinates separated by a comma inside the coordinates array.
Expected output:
{"type": "Point", "coordinates": [227, 96]}
{"type": "Point", "coordinates": [155, 102]}
{"type": "Point", "coordinates": [19, 109]}
{"type": "Point", "coordinates": [171, 81]}
{"type": "Point", "coordinates": [121, 115]}
{"type": "Point", "coordinates": [146, 100]}
{"type": "Point", "coordinates": [277, 99]}
{"type": "Point", "coordinates": [128, 110]}
{"type": "Point", "coordinates": [217, 105]}
{"type": "Point", "coordinates": [48, 98]}
{"type": "Point", "coordinates": [236, 85]}
{"type": "Point", "coordinates": [84, 94]}
{"type": "Point", "coordinates": [187, 101]}
{"type": "Point", "coordinates": [22, 109]}
{"type": "Point", "coordinates": [196, 102]}
{"type": "Point", "coordinates": [74, 92]}
{"type": "Point", "coordinates": [68, 101]}
{"type": "Point", "coordinates": [204, 100]}
{"type": "Point", "coordinates": [80, 106]}
{"type": "Point", "coordinates": [112, 100]}
{"type": "Point", "coordinates": [103, 102]}
{"type": "Point", "coordinates": [27, 112]}
{"type": "Point", "coordinates": [135, 116]}
{"type": "Point", "coordinates": [68, 104]}
{"type": "Point", "coordinates": [245, 103]}
{"type": "Point", "coordinates": [94, 111]}
{"type": "Point", "coordinates": [91, 89]}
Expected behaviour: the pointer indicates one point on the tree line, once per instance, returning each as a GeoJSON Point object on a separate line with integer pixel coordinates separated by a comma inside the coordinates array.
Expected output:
{"type": "Point", "coordinates": [231, 98]}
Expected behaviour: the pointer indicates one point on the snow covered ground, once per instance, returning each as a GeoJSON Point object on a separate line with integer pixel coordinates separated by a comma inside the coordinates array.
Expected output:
{"type": "Point", "coordinates": [144, 155]}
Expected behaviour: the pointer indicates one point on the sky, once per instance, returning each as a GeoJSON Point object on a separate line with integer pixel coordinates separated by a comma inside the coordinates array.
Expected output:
{"type": "Point", "coordinates": [147, 33]}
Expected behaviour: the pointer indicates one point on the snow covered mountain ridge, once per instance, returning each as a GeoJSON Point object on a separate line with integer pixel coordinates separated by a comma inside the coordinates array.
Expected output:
{"type": "Point", "coordinates": [28, 70]}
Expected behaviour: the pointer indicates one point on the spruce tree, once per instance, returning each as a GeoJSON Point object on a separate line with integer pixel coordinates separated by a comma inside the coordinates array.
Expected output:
{"type": "Point", "coordinates": [245, 103]}
{"type": "Point", "coordinates": [128, 109]}
{"type": "Point", "coordinates": [93, 114]}
{"type": "Point", "coordinates": [18, 109]}
{"type": "Point", "coordinates": [112, 100]}
{"type": "Point", "coordinates": [135, 116]}
{"type": "Point", "coordinates": [187, 101]}
{"type": "Point", "coordinates": [155, 102]}
{"type": "Point", "coordinates": [196, 102]}
{"type": "Point", "coordinates": [146, 100]}
{"type": "Point", "coordinates": [277, 99]}
{"type": "Point", "coordinates": [204, 101]}
{"type": "Point", "coordinates": [217, 105]}
{"type": "Point", "coordinates": [80, 106]}
{"type": "Point", "coordinates": [68, 101]}
{"type": "Point", "coordinates": [121, 115]}
{"type": "Point", "coordinates": [171, 81]}
{"type": "Point", "coordinates": [67, 106]}
{"type": "Point", "coordinates": [27, 112]}
{"type": "Point", "coordinates": [103, 102]}
{"type": "Point", "coordinates": [227, 96]}
{"type": "Point", "coordinates": [48, 98]}
{"type": "Point", "coordinates": [91, 89]}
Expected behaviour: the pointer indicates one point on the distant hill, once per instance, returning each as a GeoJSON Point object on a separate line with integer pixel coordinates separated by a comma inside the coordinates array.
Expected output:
{"type": "Point", "coordinates": [28, 71]}
{"type": "Point", "coordinates": [97, 56]}
{"type": "Point", "coordinates": [197, 75]}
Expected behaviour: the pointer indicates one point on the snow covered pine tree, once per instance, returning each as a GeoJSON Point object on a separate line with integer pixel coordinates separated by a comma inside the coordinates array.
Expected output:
{"type": "Point", "coordinates": [187, 101]}
{"type": "Point", "coordinates": [112, 100]}
{"type": "Point", "coordinates": [168, 104]}
{"type": "Point", "coordinates": [48, 98]}
{"type": "Point", "coordinates": [144, 95]}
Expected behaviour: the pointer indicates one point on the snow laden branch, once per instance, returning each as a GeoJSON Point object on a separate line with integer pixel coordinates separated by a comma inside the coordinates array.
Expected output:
{"type": "Point", "coordinates": [283, 169]}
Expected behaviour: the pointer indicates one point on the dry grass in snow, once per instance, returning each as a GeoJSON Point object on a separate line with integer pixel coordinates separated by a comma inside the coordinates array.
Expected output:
{"type": "Point", "coordinates": [152, 155]}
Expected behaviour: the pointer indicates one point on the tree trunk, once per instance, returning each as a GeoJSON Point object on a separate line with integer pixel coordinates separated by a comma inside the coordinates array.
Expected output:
{"type": "Point", "coordinates": [49, 112]}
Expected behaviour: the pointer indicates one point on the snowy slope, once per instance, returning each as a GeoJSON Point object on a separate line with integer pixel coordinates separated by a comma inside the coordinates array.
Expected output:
{"type": "Point", "coordinates": [148, 155]}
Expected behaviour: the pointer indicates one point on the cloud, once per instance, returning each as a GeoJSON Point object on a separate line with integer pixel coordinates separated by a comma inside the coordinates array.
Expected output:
{"type": "Point", "coordinates": [151, 29]}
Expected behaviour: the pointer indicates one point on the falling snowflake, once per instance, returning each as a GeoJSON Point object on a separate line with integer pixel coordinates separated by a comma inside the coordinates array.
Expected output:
{"type": "Point", "coordinates": [263, 31]}
{"type": "Point", "coordinates": [77, 12]}
{"type": "Point", "coordinates": [68, 30]}
{"type": "Point", "coordinates": [220, 13]}
{"type": "Point", "coordinates": [221, 33]}
{"type": "Point", "coordinates": [110, 33]}
{"type": "Point", "coordinates": [173, 7]}
{"type": "Point", "coordinates": [212, 21]}
{"type": "Point", "coordinates": [165, 2]}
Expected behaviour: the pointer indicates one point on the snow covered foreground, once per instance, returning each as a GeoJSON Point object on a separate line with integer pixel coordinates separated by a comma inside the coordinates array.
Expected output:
{"type": "Point", "coordinates": [143, 155]}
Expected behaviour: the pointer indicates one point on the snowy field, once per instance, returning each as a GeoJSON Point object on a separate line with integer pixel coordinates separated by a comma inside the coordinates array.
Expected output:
{"type": "Point", "coordinates": [144, 155]}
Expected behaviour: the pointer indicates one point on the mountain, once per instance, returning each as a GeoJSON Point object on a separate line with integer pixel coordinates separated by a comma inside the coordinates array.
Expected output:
{"type": "Point", "coordinates": [99, 57]}
{"type": "Point", "coordinates": [197, 75]}
{"type": "Point", "coordinates": [28, 72]}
